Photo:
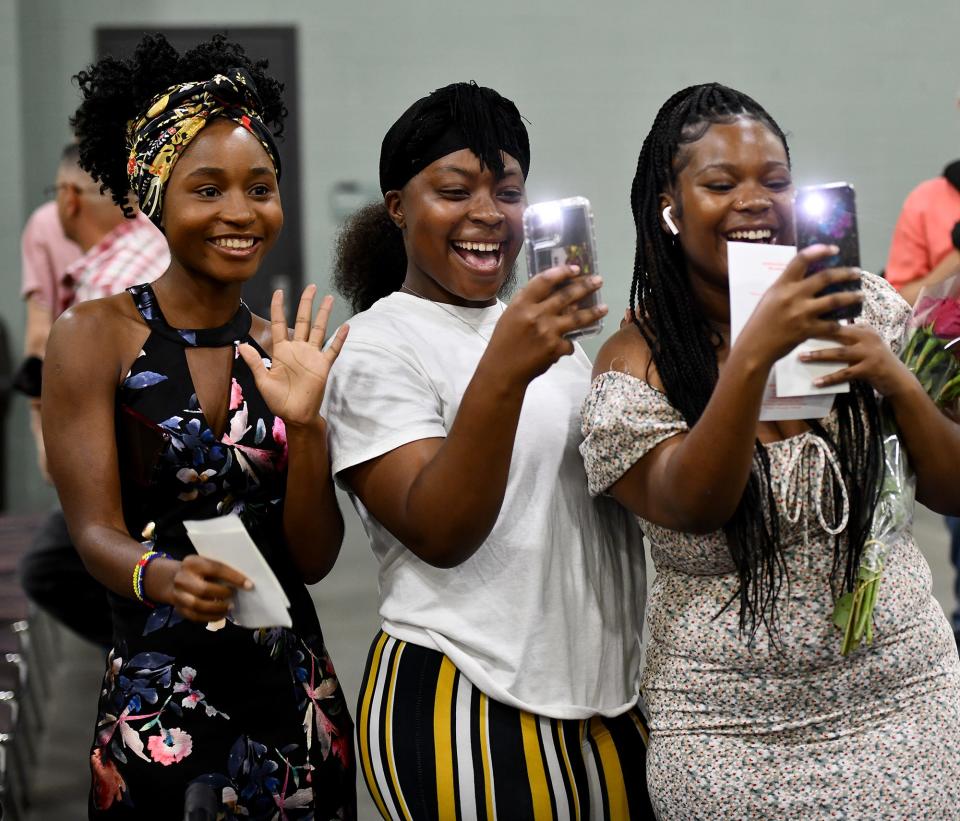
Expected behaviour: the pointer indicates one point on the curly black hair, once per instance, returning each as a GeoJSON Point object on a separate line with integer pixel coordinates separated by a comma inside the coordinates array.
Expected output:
{"type": "Point", "coordinates": [370, 261]}
{"type": "Point", "coordinates": [116, 90]}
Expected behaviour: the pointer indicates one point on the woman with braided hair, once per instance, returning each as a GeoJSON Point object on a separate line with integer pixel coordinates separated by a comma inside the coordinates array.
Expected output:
{"type": "Point", "coordinates": [756, 527]}
{"type": "Point", "coordinates": [172, 403]}
{"type": "Point", "coordinates": [503, 682]}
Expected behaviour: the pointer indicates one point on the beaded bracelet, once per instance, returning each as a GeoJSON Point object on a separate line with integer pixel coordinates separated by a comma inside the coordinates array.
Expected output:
{"type": "Point", "coordinates": [140, 568]}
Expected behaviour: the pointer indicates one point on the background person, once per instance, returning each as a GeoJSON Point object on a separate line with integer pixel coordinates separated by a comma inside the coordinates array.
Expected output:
{"type": "Point", "coordinates": [925, 250]}
{"type": "Point", "coordinates": [78, 247]}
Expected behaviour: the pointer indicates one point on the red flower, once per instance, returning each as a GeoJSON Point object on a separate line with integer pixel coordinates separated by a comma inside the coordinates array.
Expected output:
{"type": "Point", "coordinates": [926, 308]}
{"type": "Point", "coordinates": [946, 319]}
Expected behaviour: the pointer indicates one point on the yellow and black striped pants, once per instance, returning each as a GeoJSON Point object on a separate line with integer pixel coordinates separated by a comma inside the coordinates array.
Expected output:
{"type": "Point", "coordinates": [432, 747]}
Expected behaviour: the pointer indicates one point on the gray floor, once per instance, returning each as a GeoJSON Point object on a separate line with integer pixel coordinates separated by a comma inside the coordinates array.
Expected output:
{"type": "Point", "coordinates": [346, 601]}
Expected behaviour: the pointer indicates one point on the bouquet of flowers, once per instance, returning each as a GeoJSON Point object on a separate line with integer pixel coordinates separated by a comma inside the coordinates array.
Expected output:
{"type": "Point", "coordinates": [931, 349]}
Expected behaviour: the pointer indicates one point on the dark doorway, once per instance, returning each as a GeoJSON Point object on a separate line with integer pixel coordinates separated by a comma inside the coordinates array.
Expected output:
{"type": "Point", "coordinates": [283, 268]}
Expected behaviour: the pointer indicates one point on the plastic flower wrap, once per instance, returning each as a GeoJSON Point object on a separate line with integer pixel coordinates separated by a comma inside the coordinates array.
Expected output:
{"type": "Point", "coordinates": [931, 349]}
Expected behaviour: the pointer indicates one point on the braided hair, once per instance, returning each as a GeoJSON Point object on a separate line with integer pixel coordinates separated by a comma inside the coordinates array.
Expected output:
{"type": "Point", "coordinates": [116, 90]}
{"type": "Point", "coordinates": [684, 351]}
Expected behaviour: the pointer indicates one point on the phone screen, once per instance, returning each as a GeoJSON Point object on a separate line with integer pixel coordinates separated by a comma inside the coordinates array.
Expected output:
{"type": "Point", "coordinates": [572, 248]}
{"type": "Point", "coordinates": [827, 214]}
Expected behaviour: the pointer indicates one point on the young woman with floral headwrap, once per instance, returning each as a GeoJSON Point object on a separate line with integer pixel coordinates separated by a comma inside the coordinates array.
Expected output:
{"type": "Point", "coordinates": [503, 683]}
{"type": "Point", "coordinates": [172, 402]}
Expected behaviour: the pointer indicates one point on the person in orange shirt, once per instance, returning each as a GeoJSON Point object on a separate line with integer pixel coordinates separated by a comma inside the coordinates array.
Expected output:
{"type": "Point", "coordinates": [926, 240]}
{"type": "Point", "coordinates": [925, 250]}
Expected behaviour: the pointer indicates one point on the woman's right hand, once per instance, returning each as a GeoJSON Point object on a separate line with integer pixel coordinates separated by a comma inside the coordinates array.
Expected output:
{"type": "Point", "coordinates": [529, 337]}
{"type": "Point", "coordinates": [199, 589]}
{"type": "Point", "coordinates": [791, 312]}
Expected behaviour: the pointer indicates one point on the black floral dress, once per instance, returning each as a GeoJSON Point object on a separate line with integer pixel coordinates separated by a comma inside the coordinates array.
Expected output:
{"type": "Point", "coordinates": [258, 715]}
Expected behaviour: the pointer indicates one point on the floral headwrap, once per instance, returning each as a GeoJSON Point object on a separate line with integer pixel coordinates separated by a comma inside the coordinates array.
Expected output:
{"type": "Point", "coordinates": [162, 133]}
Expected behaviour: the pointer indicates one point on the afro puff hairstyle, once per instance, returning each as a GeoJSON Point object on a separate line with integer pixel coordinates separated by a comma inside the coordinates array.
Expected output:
{"type": "Point", "coordinates": [116, 90]}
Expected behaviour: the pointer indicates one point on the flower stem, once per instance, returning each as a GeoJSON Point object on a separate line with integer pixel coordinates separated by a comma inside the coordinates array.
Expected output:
{"type": "Point", "coordinates": [928, 348]}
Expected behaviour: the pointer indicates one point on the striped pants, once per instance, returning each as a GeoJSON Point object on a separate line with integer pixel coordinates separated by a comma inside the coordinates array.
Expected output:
{"type": "Point", "coordinates": [432, 747]}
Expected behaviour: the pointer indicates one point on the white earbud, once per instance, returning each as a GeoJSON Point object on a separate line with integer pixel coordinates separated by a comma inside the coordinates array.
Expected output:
{"type": "Point", "coordinates": [669, 221]}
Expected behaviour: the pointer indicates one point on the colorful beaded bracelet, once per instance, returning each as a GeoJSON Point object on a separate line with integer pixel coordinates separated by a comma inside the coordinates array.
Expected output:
{"type": "Point", "coordinates": [140, 568]}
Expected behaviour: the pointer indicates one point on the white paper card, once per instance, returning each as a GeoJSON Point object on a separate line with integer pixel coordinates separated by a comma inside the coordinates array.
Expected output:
{"type": "Point", "coordinates": [795, 378]}
{"type": "Point", "coordinates": [226, 540]}
{"type": "Point", "coordinates": [753, 267]}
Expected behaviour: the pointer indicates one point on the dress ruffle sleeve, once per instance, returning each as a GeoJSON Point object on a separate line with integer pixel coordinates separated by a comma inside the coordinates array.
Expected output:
{"type": "Point", "coordinates": [884, 310]}
{"type": "Point", "coordinates": [623, 418]}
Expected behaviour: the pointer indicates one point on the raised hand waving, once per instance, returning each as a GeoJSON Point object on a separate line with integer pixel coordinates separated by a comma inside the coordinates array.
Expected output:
{"type": "Point", "coordinates": [293, 386]}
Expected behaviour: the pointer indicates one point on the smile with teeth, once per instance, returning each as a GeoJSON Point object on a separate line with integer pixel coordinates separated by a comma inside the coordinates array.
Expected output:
{"type": "Point", "coordinates": [760, 235]}
{"type": "Point", "coordinates": [477, 246]}
{"type": "Point", "coordinates": [482, 257]}
{"type": "Point", "coordinates": [238, 243]}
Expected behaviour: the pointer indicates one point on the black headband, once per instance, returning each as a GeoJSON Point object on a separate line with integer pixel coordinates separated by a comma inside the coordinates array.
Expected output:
{"type": "Point", "coordinates": [457, 116]}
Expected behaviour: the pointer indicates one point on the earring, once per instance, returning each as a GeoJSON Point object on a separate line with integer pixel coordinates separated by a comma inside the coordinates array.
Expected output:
{"type": "Point", "coordinates": [669, 221]}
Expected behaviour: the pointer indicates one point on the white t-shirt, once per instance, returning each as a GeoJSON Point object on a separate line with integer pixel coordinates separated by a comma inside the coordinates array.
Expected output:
{"type": "Point", "coordinates": [546, 615]}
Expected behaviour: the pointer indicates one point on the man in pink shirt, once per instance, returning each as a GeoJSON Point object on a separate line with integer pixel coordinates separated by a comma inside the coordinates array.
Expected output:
{"type": "Point", "coordinates": [45, 252]}
{"type": "Point", "coordinates": [118, 251]}
{"type": "Point", "coordinates": [77, 248]}
{"type": "Point", "coordinates": [926, 240]}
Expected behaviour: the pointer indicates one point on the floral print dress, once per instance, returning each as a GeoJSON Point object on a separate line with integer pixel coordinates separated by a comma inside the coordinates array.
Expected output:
{"type": "Point", "coordinates": [795, 730]}
{"type": "Point", "coordinates": [257, 715]}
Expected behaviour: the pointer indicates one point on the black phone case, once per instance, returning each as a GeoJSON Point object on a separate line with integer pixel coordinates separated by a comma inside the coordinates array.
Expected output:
{"type": "Point", "coordinates": [833, 222]}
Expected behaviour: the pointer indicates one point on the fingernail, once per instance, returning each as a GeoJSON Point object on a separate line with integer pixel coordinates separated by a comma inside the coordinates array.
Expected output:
{"type": "Point", "coordinates": [596, 279]}
{"type": "Point", "coordinates": [575, 269]}
{"type": "Point", "coordinates": [820, 382]}
{"type": "Point", "coordinates": [602, 307]}
{"type": "Point", "coordinates": [248, 585]}
{"type": "Point", "coordinates": [834, 249]}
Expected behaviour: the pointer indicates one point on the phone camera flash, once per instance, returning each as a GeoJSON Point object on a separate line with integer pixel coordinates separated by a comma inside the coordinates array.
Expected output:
{"type": "Point", "coordinates": [814, 204]}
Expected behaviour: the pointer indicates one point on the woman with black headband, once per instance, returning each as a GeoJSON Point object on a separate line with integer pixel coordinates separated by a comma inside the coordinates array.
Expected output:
{"type": "Point", "coordinates": [503, 683]}
{"type": "Point", "coordinates": [173, 403]}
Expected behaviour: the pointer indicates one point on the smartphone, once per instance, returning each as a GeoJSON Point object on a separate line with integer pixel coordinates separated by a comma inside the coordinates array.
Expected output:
{"type": "Point", "coordinates": [560, 232]}
{"type": "Point", "coordinates": [828, 214]}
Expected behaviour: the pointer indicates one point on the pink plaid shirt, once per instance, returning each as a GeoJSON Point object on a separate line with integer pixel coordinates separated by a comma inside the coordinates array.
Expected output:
{"type": "Point", "coordinates": [46, 255]}
{"type": "Point", "coordinates": [133, 252]}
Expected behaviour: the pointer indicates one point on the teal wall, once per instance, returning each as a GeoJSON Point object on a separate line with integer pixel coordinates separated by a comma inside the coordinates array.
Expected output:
{"type": "Point", "coordinates": [866, 91]}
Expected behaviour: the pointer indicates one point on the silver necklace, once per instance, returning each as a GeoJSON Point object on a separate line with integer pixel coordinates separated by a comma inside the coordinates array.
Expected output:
{"type": "Point", "coordinates": [455, 315]}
